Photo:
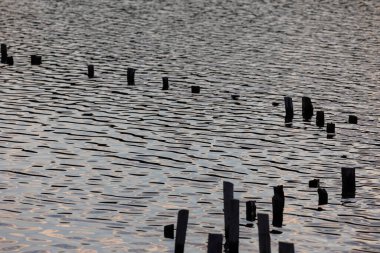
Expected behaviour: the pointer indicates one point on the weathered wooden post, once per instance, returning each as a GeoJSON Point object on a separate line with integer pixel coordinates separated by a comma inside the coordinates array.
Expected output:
{"type": "Point", "coordinates": [352, 119]}
{"type": "Point", "coordinates": [348, 183]}
{"type": "Point", "coordinates": [250, 211]}
{"type": "Point", "coordinates": [36, 60]}
{"type": "Point", "coordinates": [4, 53]}
{"type": "Point", "coordinates": [330, 129]}
{"type": "Point", "coordinates": [90, 71]}
{"type": "Point", "coordinates": [10, 60]}
{"type": "Point", "coordinates": [195, 89]}
{"type": "Point", "coordinates": [285, 247]}
{"type": "Point", "coordinates": [131, 76]}
{"type": "Point", "coordinates": [278, 203]}
{"type": "Point", "coordinates": [165, 83]}
{"type": "Point", "coordinates": [228, 195]}
{"type": "Point", "coordinates": [215, 243]}
{"type": "Point", "coordinates": [180, 238]}
{"type": "Point", "coordinates": [314, 183]}
{"type": "Point", "coordinates": [307, 109]}
{"type": "Point", "coordinates": [322, 197]}
{"type": "Point", "coordinates": [264, 236]}
{"type": "Point", "coordinates": [320, 119]}
{"type": "Point", "coordinates": [288, 111]}
{"type": "Point", "coordinates": [169, 231]}
{"type": "Point", "coordinates": [233, 244]}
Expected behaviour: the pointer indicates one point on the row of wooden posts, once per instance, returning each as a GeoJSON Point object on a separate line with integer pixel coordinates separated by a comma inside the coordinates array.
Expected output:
{"type": "Point", "coordinates": [232, 218]}
{"type": "Point", "coordinates": [307, 106]}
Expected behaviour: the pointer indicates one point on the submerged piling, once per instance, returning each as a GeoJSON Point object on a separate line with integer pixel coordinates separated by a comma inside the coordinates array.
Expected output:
{"type": "Point", "coordinates": [330, 129]}
{"type": "Point", "coordinates": [307, 109]}
{"type": "Point", "coordinates": [288, 109]}
{"type": "Point", "coordinates": [348, 183]}
{"type": "Point", "coordinates": [228, 195]}
{"type": "Point", "coordinates": [165, 83]}
{"type": "Point", "coordinates": [320, 119]}
{"type": "Point", "coordinates": [195, 89]}
{"type": "Point", "coordinates": [131, 76]}
{"type": "Point", "coordinates": [322, 197]}
{"type": "Point", "coordinates": [250, 211]}
{"type": "Point", "coordinates": [169, 231]}
{"type": "Point", "coordinates": [352, 119]}
{"type": "Point", "coordinates": [180, 238]}
{"type": "Point", "coordinates": [233, 244]}
{"type": "Point", "coordinates": [4, 53]}
{"type": "Point", "coordinates": [10, 60]}
{"type": "Point", "coordinates": [264, 236]}
{"type": "Point", "coordinates": [90, 71]}
{"type": "Point", "coordinates": [285, 247]}
{"type": "Point", "coordinates": [278, 203]}
{"type": "Point", "coordinates": [215, 243]}
{"type": "Point", "coordinates": [35, 60]}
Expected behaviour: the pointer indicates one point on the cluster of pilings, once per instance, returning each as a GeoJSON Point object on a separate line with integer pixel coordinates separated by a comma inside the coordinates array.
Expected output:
{"type": "Point", "coordinates": [231, 209]}
{"type": "Point", "coordinates": [307, 114]}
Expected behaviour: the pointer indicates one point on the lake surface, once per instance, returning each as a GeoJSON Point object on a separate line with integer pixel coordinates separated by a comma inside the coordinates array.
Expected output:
{"type": "Point", "coordinates": [95, 165]}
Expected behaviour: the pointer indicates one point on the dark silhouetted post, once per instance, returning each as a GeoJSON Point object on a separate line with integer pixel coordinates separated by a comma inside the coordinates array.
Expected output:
{"type": "Point", "coordinates": [320, 119]}
{"type": "Point", "coordinates": [250, 211]}
{"type": "Point", "coordinates": [36, 60]}
{"type": "Point", "coordinates": [215, 243]}
{"type": "Point", "coordinates": [169, 231]}
{"type": "Point", "coordinates": [235, 97]}
{"type": "Point", "coordinates": [288, 111]}
{"type": "Point", "coordinates": [228, 195]}
{"type": "Point", "coordinates": [348, 183]}
{"type": "Point", "coordinates": [165, 83]}
{"type": "Point", "coordinates": [322, 197]}
{"type": "Point", "coordinates": [10, 60]}
{"type": "Point", "coordinates": [352, 119]}
{"type": "Point", "coordinates": [278, 203]}
{"type": "Point", "coordinates": [4, 53]}
{"type": "Point", "coordinates": [264, 236]}
{"type": "Point", "coordinates": [330, 129]}
{"type": "Point", "coordinates": [195, 89]}
{"type": "Point", "coordinates": [131, 76]}
{"type": "Point", "coordinates": [233, 244]}
{"type": "Point", "coordinates": [90, 71]}
{"type": "Point", "coordinates": [307, 109]}
{"type": "Point", "coordinates": [314, 183]}
{"type": "Point", "coordinates": [285, 247]}
{"type": "Point", "coordinates": [180, 238]}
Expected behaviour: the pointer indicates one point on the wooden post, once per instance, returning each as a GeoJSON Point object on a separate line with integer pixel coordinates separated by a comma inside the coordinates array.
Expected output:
{"type": "Point", "coordinates": [322, 197]}
{"type": "Point", "coordinates": [352, 119]}
{"type": "Point", "coordinates": [348, 183]}
{"type": "Point", "coordinates": [36, 60]}
{"type": "Point", "coordinates": [180, 238]}
{"type": "Point", "coordinates": [4, 53]}
{"type": "Point", "coordinates": [131, 76]}
{"type": "Point", "coordinates": [288, 109]}
{"type": "Point", "coordinates": [215, 243]}
{"type": "Point", "coordinates": [285, 247]}
{"type": "Point", "coordinates": [330, 129]}
{"type": "Point", "coordinates": [169, 231]}
{"type": "Point", "coordinates": [278, 204]}
{"type": "Point", "coordinates": [314, 183]}
{"type": "Point", "coordinates": [10, 60]}
{"type": "Point", "coordinates": [228, 195]}
{"type": "Point", "coordinates": [90, 71]}
{"type": "Point", "coordinates": [320, 119]}
{"type": "Point", "coordinates": [195, 89]}
{"type": "Point", "coordinates": [250, 211]}
{"type": "Point", "coordinates": [264, 236]}
{"type": "Point", "coordinates": [233, 245]}
{"type": "Point", "coordinates": [307, 109]}
{"type": "Point", "coordinates": [165, 83]}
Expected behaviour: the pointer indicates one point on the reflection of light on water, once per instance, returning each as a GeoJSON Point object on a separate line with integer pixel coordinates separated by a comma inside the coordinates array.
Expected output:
{"type": "Point", "coordinates": [52, 233]}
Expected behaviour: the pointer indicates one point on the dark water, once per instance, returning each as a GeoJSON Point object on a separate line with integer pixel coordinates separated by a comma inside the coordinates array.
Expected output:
{"type": "Point", "coordinates": [97, 166]}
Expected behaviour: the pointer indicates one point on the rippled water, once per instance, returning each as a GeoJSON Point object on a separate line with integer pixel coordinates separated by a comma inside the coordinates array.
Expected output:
{"type": "Point", "coordinates": [96, 165]}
